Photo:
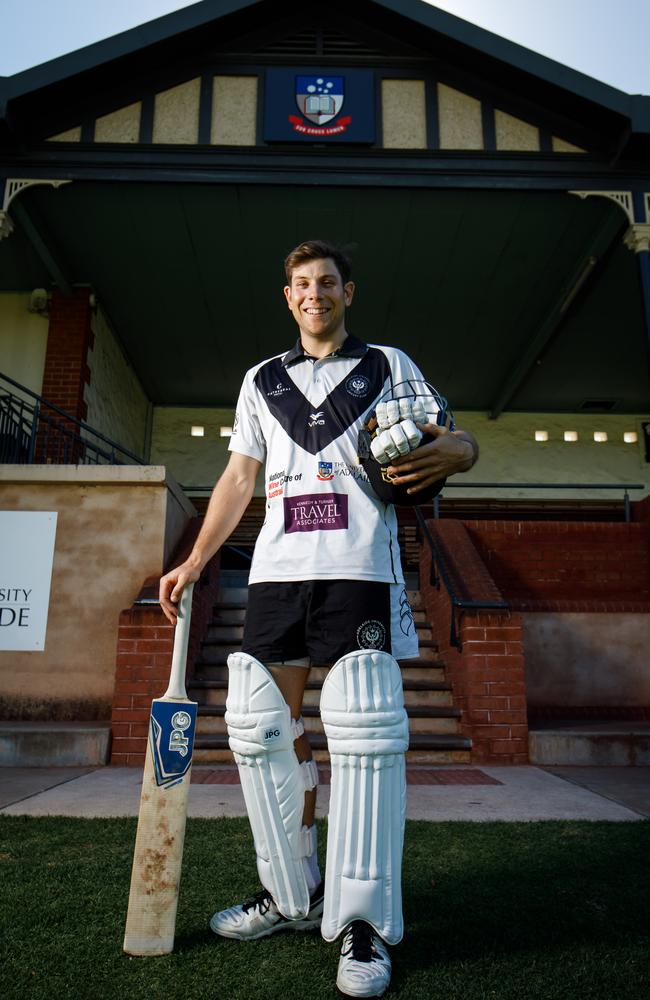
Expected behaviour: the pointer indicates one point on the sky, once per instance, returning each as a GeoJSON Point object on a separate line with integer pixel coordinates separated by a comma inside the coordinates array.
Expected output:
{"type": "Point", "coordinates": [602, 38]}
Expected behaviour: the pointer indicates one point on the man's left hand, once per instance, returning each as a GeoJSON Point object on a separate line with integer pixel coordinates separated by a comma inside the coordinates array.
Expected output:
{"type": "Point", "coordinates": [452, 451]}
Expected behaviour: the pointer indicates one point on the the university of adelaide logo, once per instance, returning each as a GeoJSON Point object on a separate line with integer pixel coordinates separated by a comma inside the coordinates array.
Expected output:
{"type": "Point", "coordinates": [320, 99]}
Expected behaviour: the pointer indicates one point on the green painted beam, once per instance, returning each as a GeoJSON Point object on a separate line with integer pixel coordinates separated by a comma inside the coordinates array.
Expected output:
{"type": "Point", "coordinates": [579, 277]}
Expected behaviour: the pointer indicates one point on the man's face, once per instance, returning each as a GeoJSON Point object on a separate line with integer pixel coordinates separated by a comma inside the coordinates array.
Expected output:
{"type": "Point", "coordinates": [317, 298]}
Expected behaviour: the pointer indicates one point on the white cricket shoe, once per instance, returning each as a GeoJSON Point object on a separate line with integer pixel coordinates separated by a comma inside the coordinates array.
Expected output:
{"type": "Point", "coordinates": [364, 965]}
{"type": "Point", "coordinates": [258, 917]}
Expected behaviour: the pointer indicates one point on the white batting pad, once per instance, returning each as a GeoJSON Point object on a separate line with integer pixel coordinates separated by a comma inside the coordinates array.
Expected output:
{"type": "Point", "coordinates": [362, 708]}
{"type": "Point", "coordinates": [261, 738]}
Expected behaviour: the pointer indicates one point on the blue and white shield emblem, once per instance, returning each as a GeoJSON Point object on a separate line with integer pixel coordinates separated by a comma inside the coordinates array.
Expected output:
{"type": "Point", "coordinates": [320, 98]}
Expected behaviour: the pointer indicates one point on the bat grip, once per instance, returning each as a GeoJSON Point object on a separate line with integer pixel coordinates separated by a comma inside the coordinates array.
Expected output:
{"type": "Point", "coordinates": [176, 687]}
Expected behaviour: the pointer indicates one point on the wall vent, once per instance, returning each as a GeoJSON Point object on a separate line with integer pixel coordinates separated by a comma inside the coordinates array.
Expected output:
{"type": "Point", "coordinates": [320, 42]}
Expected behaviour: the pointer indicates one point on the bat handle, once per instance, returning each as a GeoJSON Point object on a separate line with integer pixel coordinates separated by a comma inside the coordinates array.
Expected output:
{"type": "Point", "coordinates": [176, 687]}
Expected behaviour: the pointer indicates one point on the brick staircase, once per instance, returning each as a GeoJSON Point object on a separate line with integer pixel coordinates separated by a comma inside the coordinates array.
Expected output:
{"type": "Point", "coordinates": [433, 718]}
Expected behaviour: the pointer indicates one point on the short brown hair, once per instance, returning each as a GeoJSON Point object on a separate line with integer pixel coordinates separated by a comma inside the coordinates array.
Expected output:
{"type": "Point", "coordinates": [318, 250]}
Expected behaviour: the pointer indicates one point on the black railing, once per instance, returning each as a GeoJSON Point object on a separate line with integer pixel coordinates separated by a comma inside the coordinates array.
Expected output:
{"type": "Point", "coordinates": [36, 432]}
{"type": "Point", "coordinates": [624, 487]}
{"type": "Point", "coordinates": [440, 571]}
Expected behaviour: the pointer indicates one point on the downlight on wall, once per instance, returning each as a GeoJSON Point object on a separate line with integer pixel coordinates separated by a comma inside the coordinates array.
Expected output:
{"type": "Point", "coordinates": [600, 437]}
{"type": "Point", "coordinates": [197, 431]}
{"type": "Point", "coordinates": [541, 435]}
{"type": "Point", "coordinates": [570, 435]}
{"type": "Point", "coordinates": [225, 432]}
{"type": "Point", "coordinates": [630, 437]}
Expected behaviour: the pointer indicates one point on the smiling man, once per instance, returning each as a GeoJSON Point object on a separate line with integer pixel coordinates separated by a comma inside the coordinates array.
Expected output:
{"type": "Point", "coordinates": [326, 588]}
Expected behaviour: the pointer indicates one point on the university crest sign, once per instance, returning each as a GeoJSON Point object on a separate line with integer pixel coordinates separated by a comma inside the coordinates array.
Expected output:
{"type": "Point", "coordinates": [331, 105]}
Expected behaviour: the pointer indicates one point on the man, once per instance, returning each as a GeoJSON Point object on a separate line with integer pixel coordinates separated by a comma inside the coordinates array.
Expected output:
{"type": "Point", "coordinates": [326, 587]}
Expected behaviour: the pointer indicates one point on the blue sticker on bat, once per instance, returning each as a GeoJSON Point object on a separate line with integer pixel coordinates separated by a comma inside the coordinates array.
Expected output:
{"type": "Point", "coordinates": [171, 736]}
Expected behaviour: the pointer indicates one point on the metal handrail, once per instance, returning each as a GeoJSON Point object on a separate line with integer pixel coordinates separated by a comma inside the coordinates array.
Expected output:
{"type": "Point", "coordinates": [439, 570]}
{"type": "Point", "coordinates": [25, 422]}
{"type": "Point", "coordinates": [547, 486]}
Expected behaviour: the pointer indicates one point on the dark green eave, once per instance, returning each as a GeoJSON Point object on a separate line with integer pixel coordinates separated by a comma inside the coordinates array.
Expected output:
{"type": "Point", "coordinates": [615, 123]}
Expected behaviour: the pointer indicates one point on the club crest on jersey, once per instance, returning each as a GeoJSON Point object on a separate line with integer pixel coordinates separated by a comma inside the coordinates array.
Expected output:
{"type": "Point", "coordinates": [316, 419]}
{"type": "Point", "coordinates": [358, 385]}
{"type": "Point", "coordinates": [325, 471]}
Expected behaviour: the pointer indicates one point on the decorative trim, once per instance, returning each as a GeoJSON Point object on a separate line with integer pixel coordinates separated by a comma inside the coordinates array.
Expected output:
{"type": "Point", "coordinates": [637, 237]}
{"type": "Point", "coordinates": [622, 198]}
{"type": "Point", "coordinates": [17, 184]}
{"type": "Point", "coordinates": [13, 187]}
{"type": "Point", "coordinates": [6, 225]}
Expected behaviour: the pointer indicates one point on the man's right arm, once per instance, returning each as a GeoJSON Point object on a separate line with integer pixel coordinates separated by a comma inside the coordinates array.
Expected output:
{"type": "Point", "coordinates": [228, 502]}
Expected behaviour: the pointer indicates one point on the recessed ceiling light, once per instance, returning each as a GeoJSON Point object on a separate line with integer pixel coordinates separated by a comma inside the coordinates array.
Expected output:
{"type": "Point", "coordinates": [600, 436]}
{"type": "Point", "coordinates": [630, 437]}
{"type": "Point", "coordinates": [570, 435]}
{"type": "Point", "coordinates": [541, 435]}
{"type": "Point", "coordinates": [197, 431]}
{"type": "Point", "coordinates": [225, 432]}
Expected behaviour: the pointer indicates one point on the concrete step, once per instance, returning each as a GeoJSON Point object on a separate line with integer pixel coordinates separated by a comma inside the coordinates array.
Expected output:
{"type": "Point", "coordinates": [417, 693]}
{"type": "Point", "coordinates": [596, 744]}
{"type": "Point", "coordinates": [443, 748]}
{"type": "Point", "coordinates": [54, 744]}
{"type": "Point", "coordinates": [232, 595]}
{"type": "Point", "coordinates": [430, 719]}
{"type": "Point", "coordinates": [416, 669]}
{"type": "Point", "coordinates": [229, 629]}
{"type": "Point", "coordinates": [229, 616]}
{"type": "Point", "coordinates": [218, 651]}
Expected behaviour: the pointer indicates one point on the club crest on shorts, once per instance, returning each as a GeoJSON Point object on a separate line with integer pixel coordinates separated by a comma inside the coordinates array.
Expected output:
{"type": "Point", "coordinates": [371, 635]}
{"type": "Point", "coordinates": [320, 98]}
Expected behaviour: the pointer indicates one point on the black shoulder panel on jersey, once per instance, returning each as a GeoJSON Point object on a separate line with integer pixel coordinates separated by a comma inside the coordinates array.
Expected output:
{"type": "Point", "coordinates": [344, 406]}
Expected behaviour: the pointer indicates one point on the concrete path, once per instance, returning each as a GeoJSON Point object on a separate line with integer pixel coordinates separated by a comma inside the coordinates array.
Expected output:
{"type": "Point", "coordinates": [452, 792]}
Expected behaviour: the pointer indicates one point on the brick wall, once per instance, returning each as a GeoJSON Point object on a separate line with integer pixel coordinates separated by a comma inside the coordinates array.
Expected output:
{"type": "Point", "coordinates": [144, 655]}
{"type": "Point", "coordinates": [487, 674]}
{"type": "Point", "coordinates": [567, 565]}
{"type": "Point", "coordinates": [69, 338]}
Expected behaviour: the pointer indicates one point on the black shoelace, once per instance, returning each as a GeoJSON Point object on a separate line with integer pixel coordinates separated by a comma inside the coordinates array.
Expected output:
{"type": "Point", "coordinates": [360, 946]}
{"type": "Point", "coordinates": [261, 900]}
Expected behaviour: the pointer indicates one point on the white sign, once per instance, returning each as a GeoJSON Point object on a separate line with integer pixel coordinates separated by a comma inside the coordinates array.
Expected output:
{"type": "Point", "coordinates": [26, 554]}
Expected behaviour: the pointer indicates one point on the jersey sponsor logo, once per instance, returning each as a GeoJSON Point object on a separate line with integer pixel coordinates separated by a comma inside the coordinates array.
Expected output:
{"type": "Point", "coordinates": [279, 390]}
{"type": "Point", "coordinates": [358, 385]}
{"type": "Point", "coordinates": [277, 480]}
{"type": "Point", "coordinates": [371, 635]}
{"type": "Point", "coordinates": [316, 419]}
{"type": "Point", "coordinates": [325, 471]}
{"type": "Point", "coordinates": [316, 512]}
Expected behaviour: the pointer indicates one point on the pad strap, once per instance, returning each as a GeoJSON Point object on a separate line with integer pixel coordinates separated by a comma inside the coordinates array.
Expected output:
{"type": "Point", "coordinates": [310, 774]}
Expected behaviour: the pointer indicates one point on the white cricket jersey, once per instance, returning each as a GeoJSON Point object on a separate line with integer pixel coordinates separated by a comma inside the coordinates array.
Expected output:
{"type": "Point", "coordinates": [300, 417]}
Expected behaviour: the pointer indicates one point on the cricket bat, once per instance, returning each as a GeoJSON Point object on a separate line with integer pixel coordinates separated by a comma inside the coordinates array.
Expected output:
{"type": "Point", "coordinates": [155, 879]}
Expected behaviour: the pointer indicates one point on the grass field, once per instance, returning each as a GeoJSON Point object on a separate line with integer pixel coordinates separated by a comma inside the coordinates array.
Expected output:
{"type": "Point", "coordinates": [494, 911]}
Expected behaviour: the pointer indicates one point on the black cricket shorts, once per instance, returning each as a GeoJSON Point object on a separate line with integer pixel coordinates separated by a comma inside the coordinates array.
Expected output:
{"type": "Point", "coordinates": [321, 619]}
